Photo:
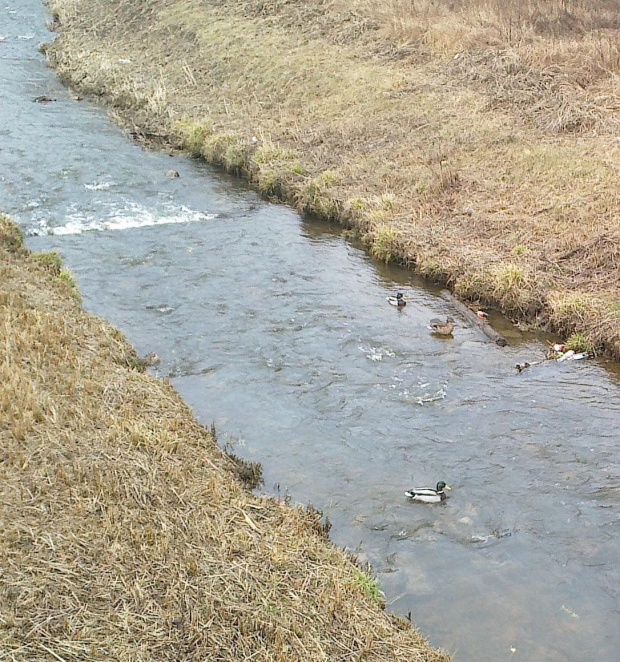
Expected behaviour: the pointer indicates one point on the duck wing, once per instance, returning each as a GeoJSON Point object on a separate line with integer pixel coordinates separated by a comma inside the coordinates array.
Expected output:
{"type": "Point", "coordinates": [421, 491]}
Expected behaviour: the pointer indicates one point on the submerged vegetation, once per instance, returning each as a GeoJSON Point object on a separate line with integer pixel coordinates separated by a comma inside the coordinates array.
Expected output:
{"type": "Point", "coordinates": [490, 126]}
{"type": "Point", "coordinates": [127, 533]}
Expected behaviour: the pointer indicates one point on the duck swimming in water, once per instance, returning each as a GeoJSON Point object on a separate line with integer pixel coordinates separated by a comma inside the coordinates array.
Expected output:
{"type": "Point", "coordinates": [151, 359]}
{"type": "Point", "coordinates": [442, 328]}
{"type": "Point", "coordinates": [398, 300]}
{"type": "Point", "coordinates": [428, 494]}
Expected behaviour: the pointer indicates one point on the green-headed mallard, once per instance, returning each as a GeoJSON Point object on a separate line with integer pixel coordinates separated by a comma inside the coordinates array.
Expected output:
{"type": "Point", "coordinates": [398, 300]}
{"type": "Point", "coordinates": [428, 494]}
{"type": "Point", "coordinates": [442, 328]}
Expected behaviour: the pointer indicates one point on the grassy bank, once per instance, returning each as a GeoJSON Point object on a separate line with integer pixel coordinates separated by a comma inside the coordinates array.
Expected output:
{"type": "Point", "coordinates": [127, 533]}
{"type": "Point", "coordinates": [474, 141]}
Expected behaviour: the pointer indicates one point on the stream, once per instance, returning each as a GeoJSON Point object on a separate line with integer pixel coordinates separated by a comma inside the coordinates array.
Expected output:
{"type": "Point", "coordinates": [277, 328]}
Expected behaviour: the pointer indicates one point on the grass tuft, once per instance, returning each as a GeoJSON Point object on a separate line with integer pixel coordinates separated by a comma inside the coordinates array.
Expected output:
{"type": "Point", "coordinates": [579, 342]}
{"type": "Point", "coordinates": [67, 278]}
{"type": "Point", "coordinates": [370, 586]}
{"type": "Point", "coordinates": [51, 260]}
{"type": "Point", "coordinates": [383, 243]}
{"type": "Point", "coordinates": [235, 158]}
{"type": "Point", "coordinates": [276, 171]}
{"type": "Point", "coordinates": [318, 197]}
{"type": "Point", "coordinates": [11, 237]}
{"type": "Point", "coordinates": [215, 147]}
{"type": "Point", "coordinates": [510, 286]}
{"type": "Point", "coordinates": [192, 135]}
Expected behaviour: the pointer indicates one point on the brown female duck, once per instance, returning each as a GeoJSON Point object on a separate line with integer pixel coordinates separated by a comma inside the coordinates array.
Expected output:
{"type": "Point", "coordinates": [442, 328]}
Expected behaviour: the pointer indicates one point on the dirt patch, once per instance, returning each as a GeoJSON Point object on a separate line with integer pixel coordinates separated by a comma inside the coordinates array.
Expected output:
{"type": "Point", "coordinates": [126, 533]}
{"type": "Point", "coordinates": [480, 172]}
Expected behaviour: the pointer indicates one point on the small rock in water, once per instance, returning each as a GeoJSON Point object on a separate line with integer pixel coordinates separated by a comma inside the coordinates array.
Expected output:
{"type": "Point", "coordinates": [173, 174]}
{"type": "Point", "coordinates": [43, 98]}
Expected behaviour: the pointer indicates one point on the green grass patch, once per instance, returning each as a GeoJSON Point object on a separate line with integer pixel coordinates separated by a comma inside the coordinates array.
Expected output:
{"type": "Point", "coordinates": [192, 135]}
{"type": "Point", "coordinates": [11, 237]}
{"type": "Point", "coordinates": [235, 158]}
{"type": "Point", "coordinates": [370, 586]}
{"type": "Point", "coordinates": [316, 198]}
{"type": "Point", "coordinates": [269, 183]}
{"type": "Point", "coordinates": [215, 146]}
{"type": "Point", "coordinates": [511, 286]}
{"type": "Point", "coordinates": [269, 153]}
{"type": "Point", "coordinates": [383, 244]}
{"type": "Point", "coordinates": [579, 342]}
{"type": "Point", "coordinates": [66, 277]}
{"type": "Point", "coordinates": [50, 260]}
{"type": "Point", "coordinates": [298, 169]}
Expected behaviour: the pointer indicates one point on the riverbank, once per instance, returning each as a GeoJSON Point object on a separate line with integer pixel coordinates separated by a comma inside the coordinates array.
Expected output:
{"type": "Point", "coordinates": [127, 532]}
{"type": "Point", "coordinates": [485, 168]}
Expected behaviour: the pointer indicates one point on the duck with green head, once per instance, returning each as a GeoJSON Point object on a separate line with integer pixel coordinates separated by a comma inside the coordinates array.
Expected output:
{"type": "Point", "coordinates": [398, 300]}
{"type": "Point", "coordinates": [428, 494]}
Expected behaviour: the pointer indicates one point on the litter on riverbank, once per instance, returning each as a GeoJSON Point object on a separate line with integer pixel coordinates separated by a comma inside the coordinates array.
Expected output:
{"type": "Point", "coordinates": [560, 352]}
{"type": "Point", "coordinates": [127, 533]}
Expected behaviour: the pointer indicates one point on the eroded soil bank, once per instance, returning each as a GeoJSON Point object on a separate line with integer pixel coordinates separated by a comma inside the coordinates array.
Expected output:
{"type": "Point", "coordinates": [326, 105]}
{"type": "Point", "coordinates": [127, 533]}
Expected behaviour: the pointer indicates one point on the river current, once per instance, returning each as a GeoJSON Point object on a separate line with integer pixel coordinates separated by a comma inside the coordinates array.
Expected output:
{"type": "Point", "coordinates": [277, 328]}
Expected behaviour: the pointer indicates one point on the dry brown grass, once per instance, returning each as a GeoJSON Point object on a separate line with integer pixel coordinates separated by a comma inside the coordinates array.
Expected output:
{"type": "Point", "coordinates": [453, 25]}
{"type": "Point", "coordinates": [125, 532]}
{"type": "Point", "coordinates": [554, 62]}
{"type": "Point", "coordinates": [484, 171]}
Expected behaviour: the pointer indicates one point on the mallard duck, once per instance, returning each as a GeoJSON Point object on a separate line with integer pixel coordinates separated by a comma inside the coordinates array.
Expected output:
{"type": "Point", "coordinates": [398, 300]}
{"type": "Point", "coordinates": [151, 359]}
{"type": "Point", "coordinates": [43, 99]}
{"type": "Point", "coordinates": [428, 494]}
{"type": "Point", "coordinates": [442, 328]}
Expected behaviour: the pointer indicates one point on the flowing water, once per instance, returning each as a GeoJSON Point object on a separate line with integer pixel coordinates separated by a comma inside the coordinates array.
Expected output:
{"type": "Point", "coordinates": [278, 329]}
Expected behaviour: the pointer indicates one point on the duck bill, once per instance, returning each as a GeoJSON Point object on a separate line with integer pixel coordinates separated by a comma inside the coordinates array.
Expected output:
{"type": "Point", "coordinates": [447, 487]}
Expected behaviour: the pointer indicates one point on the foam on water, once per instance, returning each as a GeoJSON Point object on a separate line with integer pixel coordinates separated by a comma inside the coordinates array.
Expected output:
{"type": "Point", "coordinates": [99, 186]}
{"type": "Point", "coordinates": [376, 353]}
{"type": "Point", "coordinates": [135, 216]}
